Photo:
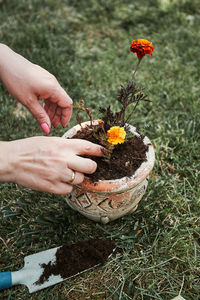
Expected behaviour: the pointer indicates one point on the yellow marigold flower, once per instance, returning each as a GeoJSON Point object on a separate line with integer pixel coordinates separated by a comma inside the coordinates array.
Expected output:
{"type": "Point", "coordinates": [116, 135]}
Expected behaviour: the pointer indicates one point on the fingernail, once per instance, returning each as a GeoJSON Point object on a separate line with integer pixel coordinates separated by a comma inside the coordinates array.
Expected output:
{"type": "Point", "coordinates": [45, 128]}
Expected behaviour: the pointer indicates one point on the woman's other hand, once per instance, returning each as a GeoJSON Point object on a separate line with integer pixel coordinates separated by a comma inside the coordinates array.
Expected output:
{"type": "Point", "coordinates": [29, 83]}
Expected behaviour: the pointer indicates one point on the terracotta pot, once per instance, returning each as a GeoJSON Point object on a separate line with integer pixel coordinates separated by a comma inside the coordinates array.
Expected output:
{"type": "Point", "coordinates": [107, 200]}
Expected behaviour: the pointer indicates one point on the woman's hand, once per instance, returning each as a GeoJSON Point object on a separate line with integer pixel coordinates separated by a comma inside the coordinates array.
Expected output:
{"type": "Point", "coordinates": [47, 163]}
{"type": "Point", "coordinates": [29, 83]}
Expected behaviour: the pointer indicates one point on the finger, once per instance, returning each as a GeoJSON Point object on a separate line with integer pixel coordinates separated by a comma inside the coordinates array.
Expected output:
{"type": "Point", "coordinates": [39, 112]}
{"type": "Point", "coordinates": [66, 115]}
{"type": "Point", "coordinates": [56, 187]}
{"type": "Point", "coordinates": [46, 106]}
{"type": "Point", "coordinates": [60, 188]}
{"type": "Point", "coordinates": [62, 99]}
{"type": "Point", "coordinates": [51, 108]}
{"type": "Point", "coordinates": [83, 147]}
{"type": "Point", "coordinates": [66, 111]}
{"type": "Point", "coordinates": [56, 119]}
{"type": "Point", "coordinates": [72, 177]}
{"type": "Point", "coordinates": [82, 165]}
{"type": "Point", "coordinates": [57, 114]}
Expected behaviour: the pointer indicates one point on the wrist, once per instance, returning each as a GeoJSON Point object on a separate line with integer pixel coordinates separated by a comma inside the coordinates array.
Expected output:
{"type": "Point", "coordinates": [3, 54]}
{"type": "Point", "coordinates": [6, 55]}
{"type": "Point", "coordinates": [6, 165]}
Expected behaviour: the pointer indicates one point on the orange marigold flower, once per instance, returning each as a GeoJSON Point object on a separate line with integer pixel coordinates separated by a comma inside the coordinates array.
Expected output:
{"type": "Point", "coordinates": [141, 47]}
{"type": "Point", "coordinates": [116, 135]}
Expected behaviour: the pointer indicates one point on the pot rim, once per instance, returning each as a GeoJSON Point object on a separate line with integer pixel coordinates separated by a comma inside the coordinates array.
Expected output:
{"type": "Point", "coordinates": [124, 183]}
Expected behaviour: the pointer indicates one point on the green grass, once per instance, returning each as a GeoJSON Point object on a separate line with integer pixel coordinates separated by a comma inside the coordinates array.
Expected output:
{"type": "Point", "coordinates": [85, 44]}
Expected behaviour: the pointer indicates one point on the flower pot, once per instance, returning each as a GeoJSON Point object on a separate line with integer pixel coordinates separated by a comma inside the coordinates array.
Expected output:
{"type": "Point", "coordinates": [106, 200]}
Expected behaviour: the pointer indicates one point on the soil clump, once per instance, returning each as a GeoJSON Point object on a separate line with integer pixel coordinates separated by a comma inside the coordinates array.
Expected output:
{"type": "Point", "coordinates": [75, 258]}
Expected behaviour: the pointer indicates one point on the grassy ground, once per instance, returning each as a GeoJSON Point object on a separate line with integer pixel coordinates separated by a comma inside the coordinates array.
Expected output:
{"type": "Point", "coordinates": [85, 44]}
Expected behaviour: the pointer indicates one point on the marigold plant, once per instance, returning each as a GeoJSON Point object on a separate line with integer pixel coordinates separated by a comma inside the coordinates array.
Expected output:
{"type": "Point", "coordinates": [112, 129]}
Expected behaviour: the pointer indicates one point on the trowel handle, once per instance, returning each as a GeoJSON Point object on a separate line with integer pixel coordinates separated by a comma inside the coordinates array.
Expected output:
{"type": "Point", "coordinates": [5, 280]}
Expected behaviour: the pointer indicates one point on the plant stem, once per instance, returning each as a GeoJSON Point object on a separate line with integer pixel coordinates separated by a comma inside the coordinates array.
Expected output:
{"type": "Point", "coordinates": [132, 111]}
{"type": "Point", "coordinates": [139, 60]}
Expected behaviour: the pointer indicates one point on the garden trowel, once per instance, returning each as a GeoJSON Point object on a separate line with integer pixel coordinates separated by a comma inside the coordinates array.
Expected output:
{"type": "Point", "coordinates": [41, 269]}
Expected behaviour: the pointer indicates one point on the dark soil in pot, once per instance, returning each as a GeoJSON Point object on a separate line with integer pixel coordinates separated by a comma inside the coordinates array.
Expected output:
{"type": "Point", "coordinates": [125, 160]}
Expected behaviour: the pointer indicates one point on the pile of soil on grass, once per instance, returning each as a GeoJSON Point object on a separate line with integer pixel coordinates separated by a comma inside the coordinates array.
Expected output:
{"type": "Point", "coordinates": [125, 160]}
{"type": "Point", "coordinates": [77, 257]}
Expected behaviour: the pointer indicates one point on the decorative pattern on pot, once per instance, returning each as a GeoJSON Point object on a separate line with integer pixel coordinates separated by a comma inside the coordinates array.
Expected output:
{"type": "Point", "coordinates": [106, 200]}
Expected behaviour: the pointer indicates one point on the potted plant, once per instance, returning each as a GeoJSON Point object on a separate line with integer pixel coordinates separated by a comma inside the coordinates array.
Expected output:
{"type": "Point", "coordinates": [122, 174]}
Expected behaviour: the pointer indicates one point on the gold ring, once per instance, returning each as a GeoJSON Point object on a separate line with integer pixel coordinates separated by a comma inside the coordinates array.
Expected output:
{"type": "Point", "coordinates": [73, 177]}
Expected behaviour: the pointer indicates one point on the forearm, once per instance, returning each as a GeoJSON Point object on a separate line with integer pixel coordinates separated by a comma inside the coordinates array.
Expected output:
{"type": "Point", "coordinates": [5, 162]}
